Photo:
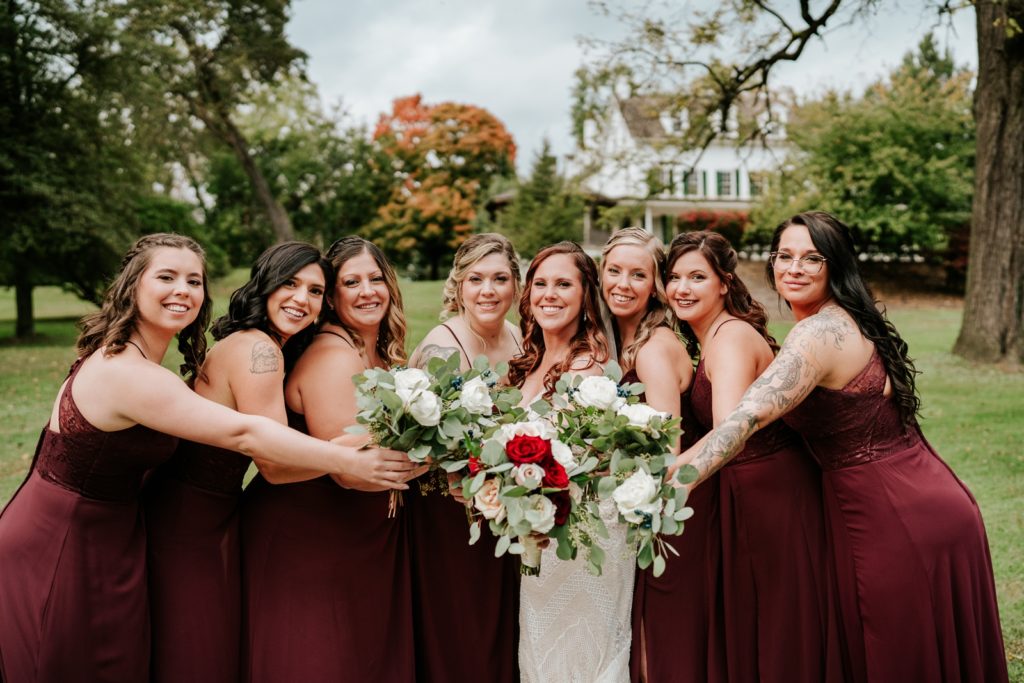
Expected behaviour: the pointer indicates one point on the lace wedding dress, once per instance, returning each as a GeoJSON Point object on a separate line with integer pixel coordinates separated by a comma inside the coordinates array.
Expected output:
{"type": "Point", "coordinates": [575, 627]}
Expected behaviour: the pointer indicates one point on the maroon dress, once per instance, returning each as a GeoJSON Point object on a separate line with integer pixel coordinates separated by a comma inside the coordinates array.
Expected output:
{"type": "Point", "coordinates": [195, 580]}
{"type": "Point", "coordinates": [676, 626]}
{"type": "Point", "coordinates": [778, 619]}
{"type": "Point", "coordinates": [465, 600]}
{"type": "Point", "coordinates": [326, 585]}
{"type": "Point", "coordinates": [914, 575]}
{"type": "Point", "coordinates": [73, 603]}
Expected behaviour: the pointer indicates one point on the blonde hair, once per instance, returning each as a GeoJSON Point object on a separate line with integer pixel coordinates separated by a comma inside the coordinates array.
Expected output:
{"type": "Point", "coordinates": [474, 249]}
{"type": "Point", "coordinates": [391, 336]}
{"type": "Point", "coordinates": [112, 325]}
{"type": "Point", "coordinates": [657, 314]}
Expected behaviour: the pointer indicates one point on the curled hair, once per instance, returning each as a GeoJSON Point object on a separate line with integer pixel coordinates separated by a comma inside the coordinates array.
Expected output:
{"type": "Point", "coordinates": [391, 336]}
{"type": "Point", "coordinates": [473, 250]}
{"type": "Point", "coordinates": [112, 325]}
{"type": "Point", "coordinates": [657, 313]}
{"type": "Point", "coordinates": [247, 309]}
{"type": "Point", "coordinates": [834, 241]}
{"type": "Point", "coordinates": [717, 251]}
{"type": "Point", "coordinates": [588, 341]}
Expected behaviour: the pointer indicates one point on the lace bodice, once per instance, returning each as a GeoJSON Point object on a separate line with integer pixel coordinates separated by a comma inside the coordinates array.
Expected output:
{"type": "Point", "coordinates": [853, 425]}
{"type": "Point", "coordinates": [103, 465]}
{"type": "Point", "coordinates": [771, 439]}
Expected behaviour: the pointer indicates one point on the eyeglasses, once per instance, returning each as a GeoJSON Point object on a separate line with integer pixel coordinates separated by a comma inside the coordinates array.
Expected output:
{"type": "Point", "coordinates": [810, 264]}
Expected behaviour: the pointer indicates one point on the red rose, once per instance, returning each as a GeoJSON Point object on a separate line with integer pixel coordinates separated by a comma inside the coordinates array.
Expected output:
{"type": "Point", "coordinates": [525, 449]}
{"type": "Point", "coordinates": [555, 476]}
{"type": "Point", "coordinates": [474, 465]}
{"type": "Point", "coordinates": [563, 506]}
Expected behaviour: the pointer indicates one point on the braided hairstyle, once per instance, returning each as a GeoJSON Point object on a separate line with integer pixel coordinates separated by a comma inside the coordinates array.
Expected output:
{"type": "Point", "coordinates": [112, 325]}
{"type": "Point", "coordinates": [834, 240]}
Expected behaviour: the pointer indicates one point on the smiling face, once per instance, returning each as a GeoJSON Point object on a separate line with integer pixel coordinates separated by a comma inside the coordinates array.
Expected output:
{"type": "Point", "coordinates": [799, 288]}
{"type": "Point", "coordinates": [170, 291]}
{"type": "Point", "coordinates": [627, 280]}
{"type": "Point", "coordinates": [294, 306]}
{"type": "Point", "coordinates": [361, 296]}
{"type": "Point", "coordinates": [487, 291]}
{"type": "Point", "coordinates": [695, 291]}
{"type": "Point", "coordinates": [556, 293]}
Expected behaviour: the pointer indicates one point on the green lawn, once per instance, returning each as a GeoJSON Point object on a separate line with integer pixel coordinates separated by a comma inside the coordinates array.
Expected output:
{"type": "Point", "coordinates": [971, 413]}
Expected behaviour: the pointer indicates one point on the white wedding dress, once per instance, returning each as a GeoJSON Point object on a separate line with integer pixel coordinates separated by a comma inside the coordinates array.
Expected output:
{"type": "Point", "coordinates": [575, 627]}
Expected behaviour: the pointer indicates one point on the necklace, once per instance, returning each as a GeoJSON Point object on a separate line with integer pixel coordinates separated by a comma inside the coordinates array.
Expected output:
{"type": "Point", "coordinates": [139, 348]}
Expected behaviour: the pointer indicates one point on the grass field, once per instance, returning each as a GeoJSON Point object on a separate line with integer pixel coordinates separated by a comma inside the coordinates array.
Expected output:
{"type": "Point", "coordinates": [972, 414]}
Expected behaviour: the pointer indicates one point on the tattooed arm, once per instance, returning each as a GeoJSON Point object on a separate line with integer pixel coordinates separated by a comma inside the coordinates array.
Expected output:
{"type": "Point", "coordinates": [811, 351]}
{"type": "Point", "coordinates": [437, 344]}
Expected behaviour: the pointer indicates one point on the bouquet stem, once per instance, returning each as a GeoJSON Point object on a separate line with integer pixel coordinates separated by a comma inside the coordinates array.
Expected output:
{"type": "Point", "coordinates": [529, 561]}
{"type": "Point", "coordinates": [395, 501]}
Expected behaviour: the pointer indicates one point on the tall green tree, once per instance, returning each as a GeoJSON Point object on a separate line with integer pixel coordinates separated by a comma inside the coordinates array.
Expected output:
{"type": "Point", "coordinates": [714, 57]}
{"type": "Point", "coordinates": [896, 162]}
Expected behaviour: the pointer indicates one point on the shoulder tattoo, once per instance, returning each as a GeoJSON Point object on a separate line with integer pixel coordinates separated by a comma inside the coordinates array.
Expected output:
{"type": "Point", "coordinates": [435, 351]}
{"type": "Point", "coordinates": [265, 358]}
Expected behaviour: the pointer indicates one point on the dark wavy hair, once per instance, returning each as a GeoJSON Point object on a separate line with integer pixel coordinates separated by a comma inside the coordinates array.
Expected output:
{"type": "Point", "coordinates": [112, 325]}
{"type": "Point", "coordinates": [247, 309]}
{"type": "Point", "coordinates": [391, 336]}
{"type": "Point", "coordinates": [589, 339]}
{"type": "Point", "coordinates": [834, 240]}
{"type": "Point", "coordinates": [719, 253]}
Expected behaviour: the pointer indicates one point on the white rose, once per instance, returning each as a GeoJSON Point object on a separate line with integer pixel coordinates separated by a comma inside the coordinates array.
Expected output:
{"type": "Point", "coordinates": [636, 497]}
{"type": "Point", "coordinates": [563, 455]}
{"type": "Point", "coordinates": [540, 513]}
{"type": "Point", "coordinates": [475, 397]}
{"type": "Point", "coordinates": [541, 428]}
{"type": "Point", "coordinates": [488, 500]}
{"type": "Point", "coordinates": [529, 474]}
{"type": "Point", "coordinates": [598, 392]}
{"type": "Point", "coordinates": [411, 381]}
{"type": "Point", "coordinates": [425, 408]}
{"type": "Point", "coordinates": [640, 414]}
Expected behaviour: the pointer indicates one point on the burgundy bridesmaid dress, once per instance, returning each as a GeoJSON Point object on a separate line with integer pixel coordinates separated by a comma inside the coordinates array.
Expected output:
{"type": "Point", "coordinates": [778, 618]}
{"type": "Point", "coordinates": [327, 592]}
{"type": "Point", "coordinates": [465, 600]}
{"type": "Point", "coordinates": [676, 616]}
{"type": "Point", "coordinates": [195, 579]}
{"type": "Point", "coordinates": [913, 571]}
{"type": "Point", "coordinates": [73, 598]}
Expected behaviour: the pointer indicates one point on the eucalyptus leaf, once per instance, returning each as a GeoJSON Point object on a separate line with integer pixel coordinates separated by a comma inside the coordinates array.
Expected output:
{"type": "Point", "coordinates": [474, 532]}
{"type": "Point", "coordinates": [659, 565]}
{"type": "Point", "coordinates": [502, 546]}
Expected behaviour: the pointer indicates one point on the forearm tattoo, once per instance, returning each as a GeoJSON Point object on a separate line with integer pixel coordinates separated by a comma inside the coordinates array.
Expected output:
{"type": "Point", "coordinates": [785, 383]}
{"type": "Point", "coordinates": [265, 358]}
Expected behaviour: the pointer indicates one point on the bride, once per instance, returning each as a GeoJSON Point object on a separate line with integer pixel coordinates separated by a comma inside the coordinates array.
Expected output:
{"type": "Point", "coordinates": [573, 626]}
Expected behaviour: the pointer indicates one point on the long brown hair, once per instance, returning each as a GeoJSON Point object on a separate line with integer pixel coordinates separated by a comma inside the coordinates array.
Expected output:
{"type": "Point", "coordinates": [112, 325]}
{"type": "Point", "coordinates": [723, 259]}
{"type": "Point", "coordinates": [657, 314]}
{"type": "Point", "coordinates": [391, 335]}
{"type": "Point", "coordinates": [589, 340]}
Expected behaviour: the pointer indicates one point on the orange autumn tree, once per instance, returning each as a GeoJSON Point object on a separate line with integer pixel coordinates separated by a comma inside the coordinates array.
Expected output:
{"type": "Point", "coordinates": [441, 156]}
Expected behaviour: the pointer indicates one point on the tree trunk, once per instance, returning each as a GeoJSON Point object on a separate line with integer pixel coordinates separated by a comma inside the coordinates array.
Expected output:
{"type": "Point", "coordinates": [993, 322]}
{"type": "Point", "coordinates": [279, 220]}
{"type": "Point", "coordinates": [24, 327]}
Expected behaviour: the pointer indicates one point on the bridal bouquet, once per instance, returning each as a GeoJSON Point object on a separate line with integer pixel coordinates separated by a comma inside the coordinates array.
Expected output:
{"type": "Point", "coordinates": [520, 480]}
{"type": "Point", "coordinates": [631, 444]}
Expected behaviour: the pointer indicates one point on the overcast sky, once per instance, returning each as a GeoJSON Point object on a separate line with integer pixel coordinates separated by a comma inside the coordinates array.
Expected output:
{"type": "Point", "coordinates": [516, 58]}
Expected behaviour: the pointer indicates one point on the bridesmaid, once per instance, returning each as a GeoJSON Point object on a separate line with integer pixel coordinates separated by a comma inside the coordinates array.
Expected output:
{"type": "Point", "coordinates": [72, 542]}
{"type": "Point", "coordinates": [325, 569]}
{"type": "Point", "coordinates": [192, 501]}
{"type": "Point", "coordinates": [632, 265]}
{"type": "Point", "coordinates": [573, 626]}
{"type": "Point", "coordinates": [460, 632]}
{"type": "Point", "coordinates": [775, 616]}
{"type": "Point", "coordinates": [914, 576]}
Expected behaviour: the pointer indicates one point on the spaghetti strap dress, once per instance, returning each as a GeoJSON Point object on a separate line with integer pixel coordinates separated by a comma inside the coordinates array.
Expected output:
{"type": "Point", "coordinates": [73, 596]}
{"type": "Point", "coordinates": [465, 600]}
{"type": "Point", "coordinates": [913, 572]}
{"type": "Point", "coordinates": [326, 585]}
{"type": "Point", "coordinates": [195, 579]}
{"type": "Point", "coordinates": [778, 618]}
{"type": "Point", "coordinates": [677, 632]}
